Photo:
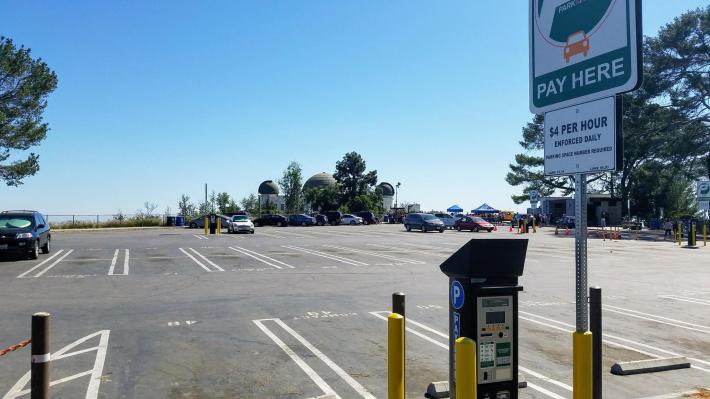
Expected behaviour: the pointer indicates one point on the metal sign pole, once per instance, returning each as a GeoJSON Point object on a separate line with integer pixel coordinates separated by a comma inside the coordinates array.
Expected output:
{"type": "Point", "coordinates": [580, 249]}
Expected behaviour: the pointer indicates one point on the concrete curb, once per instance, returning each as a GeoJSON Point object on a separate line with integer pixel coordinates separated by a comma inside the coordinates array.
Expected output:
{"type": "Point", "coordinates": [650, 366]}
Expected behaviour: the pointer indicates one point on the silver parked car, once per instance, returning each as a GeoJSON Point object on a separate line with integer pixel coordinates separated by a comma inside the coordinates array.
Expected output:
{"type": "Point", "coordinates": [240, 224]}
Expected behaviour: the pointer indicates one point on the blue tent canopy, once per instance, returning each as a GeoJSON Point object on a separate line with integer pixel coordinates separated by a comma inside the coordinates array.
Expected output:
{"type": "Point", "coordinates": [485, 208]}
{"type": "Point", "coordinates": [454, 209]}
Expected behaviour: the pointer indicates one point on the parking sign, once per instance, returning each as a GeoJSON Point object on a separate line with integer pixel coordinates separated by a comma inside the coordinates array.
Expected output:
{"type": "Point", "coordinates": [582, 50]}
{"type": "Point", "coordinates": [457, 295]}
{"type": "Point", "coordinates": [703, 192]}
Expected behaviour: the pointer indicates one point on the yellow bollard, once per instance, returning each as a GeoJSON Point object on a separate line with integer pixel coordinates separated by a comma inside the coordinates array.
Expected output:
{"type": "Point", "coordinates": [219, 225]}
{"type": "Point", "coordinates": [680, 234]}
{"type": "Point", "coordinates": [466, 378]}
{"type": "Point", "coordinates": [395, 356]}
{"type": "Point", "coordinates": [207, 225]}
{"type": "Point", "coordinates": [582, 365]}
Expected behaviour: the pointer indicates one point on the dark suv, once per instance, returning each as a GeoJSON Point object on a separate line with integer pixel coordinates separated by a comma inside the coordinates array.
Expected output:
{"type": "Point", "coordinates": [334, 217]}
{"type": "Point", "coordinates": [271, 220]}
{"type": "Point", "coordinates": [24, 232]}
{"type": "Point", "coordinates": [367, 217]}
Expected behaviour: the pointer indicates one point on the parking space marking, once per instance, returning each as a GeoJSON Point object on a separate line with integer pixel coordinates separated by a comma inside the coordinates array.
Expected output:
{"type": "Point", "coordinates": [115, 260]}
{"type": "Point", "coordinates": [41, 263]}
{"type": "Point", "coordinates": [423, 252]}
{"type": "Point", "coordinates": [446, 346]}
{"type": "Point", "coordinates": [51, 265]}
{"type": "Point", "coordinates": [699, 301]}
{"type": "Point", "coordinates": [362, 391]}
{"type": "Point", "coordinates": [195, 260]}
{"type": "Point", "coordinates": [206, 260]}
{"type": "Point", "coordinates": [327, 390]}
{"type": "Point", "coordinates": [390, 257]}
{"type": "Point", "coordinates": [92, 391]}
{"type": "Point", "coordinates": [329, 256]}
{"type": "Point", "coordinates": [423, 247]}
{"type": "Point", "coordinates": [657, 319]}
{"type": "Point", "coordinates": [201, 237]}
{"type": "Point", "coordinates": [570, 327]}
{"type": "Point", "coordinates": [261, 257]}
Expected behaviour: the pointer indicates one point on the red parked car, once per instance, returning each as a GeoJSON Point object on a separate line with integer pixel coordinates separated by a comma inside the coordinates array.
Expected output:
{"type": "Point", "coordinates": [473, 223]}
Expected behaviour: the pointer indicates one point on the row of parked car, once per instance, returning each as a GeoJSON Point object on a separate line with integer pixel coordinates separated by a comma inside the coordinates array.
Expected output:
{"type": "Point", "coordinates": [442, 221]}
{"type": "Point", "coordinates": [242, 222]}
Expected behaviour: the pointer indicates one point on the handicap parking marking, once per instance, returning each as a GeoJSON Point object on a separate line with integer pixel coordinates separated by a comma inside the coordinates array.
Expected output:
{"type": "Point", "coordinates": [202, 265]}
{"type": "Point", "coordinates": [51, 265]}
{"type": "Point", "coordinates": [95, 374]}
{"type": "Point", "coordinates": [436, 341]}
{"type": "Point", "coordinates": [317, 379]}
{"type": "Point", "coordinates": [376, 254]}
{"type": "Point", "coordinates": [340, 259]}
{"type": "Point", "coordinates": [262, 258]}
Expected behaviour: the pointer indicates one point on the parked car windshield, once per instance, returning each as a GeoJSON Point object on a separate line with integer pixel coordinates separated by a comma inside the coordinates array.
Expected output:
{"type": "Point", "coordinates": [239, 218]}
{"type": "Point", "coordinates": [15, 221]}
{"type": "Point", "coordinates": [479, 220]}
{"type": "Point", "coordinates": [428, 217]}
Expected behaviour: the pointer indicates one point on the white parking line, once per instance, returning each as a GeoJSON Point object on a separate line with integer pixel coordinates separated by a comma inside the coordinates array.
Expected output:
{"type": "Point", "coordinates": [329, 256]}
{"type": "Point", "coordinates": [617, 338]}
{"type": "Point", "coordinates": [699, 301]}
{"type": "Point", "coordinates": [390, 257]}
{"type": "Point", "coordinates": [125, 263]}
{"type": "Point", "coordinates": [258, 256]}
{"type": "Point", "coordinates": [46, 269]}
{"type": "Point", "coordinates": [446, 346]}
{"type": "Point", "coordinates": [40, 264]}
{"type": "Point", "coordinates": [113, 263]}
{"type": "Point", "coordinates": [200, 237]}
{"type": "Point", "coordinates": [92, 391]}
{"type": "Point", "coordinates": [195, 260]}
{"type": "Point", "coordinates": [423, 252]}
{"type": "Point", "coordinates": [657, 319]}
{"type": "Point", "coordinates": [206, 260]}
{"type": "Point", "coordinates": [362, 391]}
{"type": "Point", "coordinates": [327, 390]}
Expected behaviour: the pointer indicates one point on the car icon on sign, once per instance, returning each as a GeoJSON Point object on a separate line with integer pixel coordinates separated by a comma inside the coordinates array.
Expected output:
{"type": "Point", "coordinates": [577, 43]}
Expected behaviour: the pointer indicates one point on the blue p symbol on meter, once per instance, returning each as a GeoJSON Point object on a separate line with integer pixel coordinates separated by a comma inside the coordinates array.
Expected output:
{"type": "Point", "coordinates": [457, 295]}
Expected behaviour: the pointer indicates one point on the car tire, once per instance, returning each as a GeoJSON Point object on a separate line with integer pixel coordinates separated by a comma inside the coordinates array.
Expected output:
{"type": "Point", "coordinates": [45, 247]}
{"type": "Point", "coordinates": [423, 228]}
{"type": "Point", "coordinates": [35, 250]}
{"type": "Point", "coordinates": [252, 231]}
{"type": "Point", "coordinates": [365, 222]}
{"type": "Point", "coordinates": [441, 230]}
{"type": "Point", "coordinates": [303, 223]}
{"type": "Point", "coordinates": [408, 227]}
{"type": "Point", "coordinates": [193, 225]}
{"type": "Point", "coordinates": [490, 230]}
{"type": "Point", "coordinates": [353, 223]}
{"type": "Point", "coordinates": [278, 224]}
{"type": "Point", "coordinates": [458, 228]}
{"type": "Point", "coordinates": [476, 229]}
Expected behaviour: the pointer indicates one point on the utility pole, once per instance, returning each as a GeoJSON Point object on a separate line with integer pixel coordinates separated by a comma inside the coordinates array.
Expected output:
{"type": "Point", "coordinates": [205, 195]}
{"type": "Point", "coordinates": [396, 195]}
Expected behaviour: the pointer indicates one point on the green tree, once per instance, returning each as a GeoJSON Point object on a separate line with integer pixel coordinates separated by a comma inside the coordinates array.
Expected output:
{"type": "Point", "coordinates": [291, 184]}
{"type": "Point", "coordinates": [351, 176]}
{"type": "Point", "coordinates": [185, 207]}
{"type": "Point", "coordinates": [323, 198]}
{"type": "Point", "coordinates": [250, 203]}
{"type": "Point", "coordinates": [680, 57]}
{"type": "Point", "coordinates": [222, 200]}
{"type": "Point", "coordinates": [25, 84]}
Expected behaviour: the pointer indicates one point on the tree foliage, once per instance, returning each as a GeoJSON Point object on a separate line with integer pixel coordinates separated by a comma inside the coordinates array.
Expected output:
{"type": "Point", "coordinates": [323, 199]}
{"type": "Point", "coordinates": [291, 185]}
{"type": "Point", "coordinates": [350, 174]}
{"type": "Point", "coordinates": [25, 84]}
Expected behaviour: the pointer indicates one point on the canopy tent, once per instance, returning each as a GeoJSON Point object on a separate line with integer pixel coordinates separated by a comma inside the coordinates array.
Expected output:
{"type": "Point", "coordinates": [485, 208]}
{"type": "Point", "coordinates": [454, 209]}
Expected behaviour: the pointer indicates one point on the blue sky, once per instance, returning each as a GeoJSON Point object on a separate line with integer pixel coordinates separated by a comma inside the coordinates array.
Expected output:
{"type": "Point", "coordinates": [155, 99]}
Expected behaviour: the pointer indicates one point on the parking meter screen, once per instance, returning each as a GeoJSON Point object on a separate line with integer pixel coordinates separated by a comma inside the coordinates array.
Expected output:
{"type": "Point", "coordinates": [495, 317]}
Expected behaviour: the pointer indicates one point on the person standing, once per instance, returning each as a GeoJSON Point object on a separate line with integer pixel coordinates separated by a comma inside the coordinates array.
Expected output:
{"type": "Point", "coordinates": [668, 228]}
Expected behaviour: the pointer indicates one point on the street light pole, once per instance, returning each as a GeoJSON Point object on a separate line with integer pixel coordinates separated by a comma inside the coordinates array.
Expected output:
{"type": "Point", "coordinates": [396, 195]}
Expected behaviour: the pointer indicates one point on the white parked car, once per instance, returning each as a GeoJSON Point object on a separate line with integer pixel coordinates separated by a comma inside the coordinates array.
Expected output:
{"type": "Point", "coordinates": [350, 219]}
{"type": "Point", "coordinates": [240, 224]}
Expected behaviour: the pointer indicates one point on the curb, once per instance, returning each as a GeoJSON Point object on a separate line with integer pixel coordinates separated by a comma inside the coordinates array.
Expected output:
{"type": "Point", "coordinates": [650, 366]}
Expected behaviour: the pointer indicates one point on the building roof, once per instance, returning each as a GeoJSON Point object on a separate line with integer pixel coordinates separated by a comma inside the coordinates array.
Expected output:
{"type": "Point", "coordinates": [268, 187]}
{"type": "Point", "coordinates": [320, 180]}
{"type": "Point", "coordinates": [387, 189]}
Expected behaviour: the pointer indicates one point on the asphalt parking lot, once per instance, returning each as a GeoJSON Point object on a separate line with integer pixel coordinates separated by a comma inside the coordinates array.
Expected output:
{"type": "Point", "coordinates": [299, 312]}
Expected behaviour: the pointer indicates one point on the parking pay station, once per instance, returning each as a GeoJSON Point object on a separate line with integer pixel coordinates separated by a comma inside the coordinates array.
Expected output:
{"type": "Point", "coordinates": [483, 306]}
